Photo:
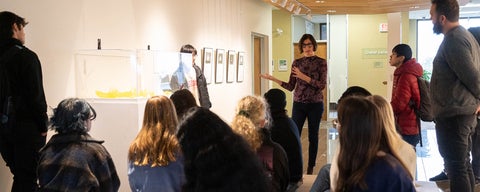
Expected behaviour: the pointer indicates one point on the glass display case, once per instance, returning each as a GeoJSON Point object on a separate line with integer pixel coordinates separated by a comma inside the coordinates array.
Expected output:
{"type": "Point", "coordinates": [132, 73]}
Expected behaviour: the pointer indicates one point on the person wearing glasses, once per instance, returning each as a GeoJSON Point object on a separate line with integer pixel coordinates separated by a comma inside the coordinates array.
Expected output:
{"type": "Point", "coordinates": [307, 80]}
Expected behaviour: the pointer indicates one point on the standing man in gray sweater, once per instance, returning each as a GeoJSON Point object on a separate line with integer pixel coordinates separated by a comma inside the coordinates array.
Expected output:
{"type": "Point", "coordinates": [455, 90]}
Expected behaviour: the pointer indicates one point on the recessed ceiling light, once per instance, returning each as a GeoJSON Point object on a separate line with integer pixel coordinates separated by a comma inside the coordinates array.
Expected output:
{"type": "Point", "coordinates": [331, 11]}
{"type": "Point", "coordinates": [318, 1]}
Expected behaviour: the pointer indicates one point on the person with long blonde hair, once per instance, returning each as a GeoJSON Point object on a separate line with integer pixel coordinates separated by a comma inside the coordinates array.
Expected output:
{"type": "Point", "coordinates": [250, 121]}
{"type": "Point", "coordinates": [366, 159]}
{"type": "Point", "coordinates": [155, 161]}
{"type": "Point", "coordinates": [399, 146]}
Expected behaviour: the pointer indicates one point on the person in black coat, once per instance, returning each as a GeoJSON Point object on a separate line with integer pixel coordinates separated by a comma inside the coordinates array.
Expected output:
{"type": "Point", "coordinates": [284, 131]}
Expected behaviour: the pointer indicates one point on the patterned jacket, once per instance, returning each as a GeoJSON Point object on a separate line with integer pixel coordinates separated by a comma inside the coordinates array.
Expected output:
{"type": "Point", "coordinates": [405, 89]}
{"type": "Point", "coordinates": [76, 162]}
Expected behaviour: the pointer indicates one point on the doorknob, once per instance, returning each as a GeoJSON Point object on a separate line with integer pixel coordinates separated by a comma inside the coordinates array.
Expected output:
{"type": "Point", "coordinates": [385, 82]}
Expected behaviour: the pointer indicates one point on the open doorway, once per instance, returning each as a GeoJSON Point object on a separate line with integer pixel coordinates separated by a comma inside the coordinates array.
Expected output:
{"type": "Point", "coordinates": [260, 62]}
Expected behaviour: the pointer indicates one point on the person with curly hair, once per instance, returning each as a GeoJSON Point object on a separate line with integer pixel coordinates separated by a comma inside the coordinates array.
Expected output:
{"type": "Point", "coordinates": [250, 121]}
{"type": "Point", "coordinates": [217, 159]}
{"type": "Point", "coordinates": [72, 160]}
{"type": "Point", "coordinates": [155, 161]}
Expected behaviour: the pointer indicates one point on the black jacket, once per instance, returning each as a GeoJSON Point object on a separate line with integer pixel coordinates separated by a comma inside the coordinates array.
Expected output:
{"type": "Point", "coordinates": [27, 86]}
{"type": "Point", "coordinates": [203, 96]}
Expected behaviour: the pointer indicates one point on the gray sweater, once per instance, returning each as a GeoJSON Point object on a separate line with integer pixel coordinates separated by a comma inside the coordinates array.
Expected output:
{"type": "Point", "coordinates": [455, 83]}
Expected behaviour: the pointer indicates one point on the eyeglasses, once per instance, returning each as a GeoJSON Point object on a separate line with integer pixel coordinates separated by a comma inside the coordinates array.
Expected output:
{"type": "Point", "coordinates": [307, 45]}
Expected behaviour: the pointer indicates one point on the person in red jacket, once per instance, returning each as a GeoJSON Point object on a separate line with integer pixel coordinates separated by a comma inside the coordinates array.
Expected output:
{"type": "Point", "coordinates": [405, 90]}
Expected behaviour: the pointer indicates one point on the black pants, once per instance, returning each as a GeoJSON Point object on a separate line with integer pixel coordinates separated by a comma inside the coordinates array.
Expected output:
{"type": "Point", "coordinates": [19, 148]}
{"type": "Point", "coordinates": [455, 143]}
{"type": "Point", "coordinates": [476, 150]}
{"type": "Point", "coordinates": [312, 112]}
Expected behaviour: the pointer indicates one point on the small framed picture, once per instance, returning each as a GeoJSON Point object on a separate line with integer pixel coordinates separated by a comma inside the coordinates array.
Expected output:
{"type": "Point", "coordinates": [231, 65]}
{"type": "Point", "coordinates": [207, 62]}
{"type": "Point", "coordinates": [282, 65]}
{"type": "Point", "coordinates": [240, 66]}
{"type": "Point", "coordinates": [219, 65]}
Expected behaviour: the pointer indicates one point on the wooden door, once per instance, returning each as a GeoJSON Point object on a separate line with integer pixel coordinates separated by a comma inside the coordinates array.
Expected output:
{"type": "Point", "coordinates": [321, 52]}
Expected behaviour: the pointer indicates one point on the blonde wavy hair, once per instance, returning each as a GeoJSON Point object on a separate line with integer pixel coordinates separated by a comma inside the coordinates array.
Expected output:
{"type": "Point", "coordinates": [388, 120]}
{"type": "Point", "coordinates": [250, 117]}
{"type": "Point", "coordinates": [156, 144]}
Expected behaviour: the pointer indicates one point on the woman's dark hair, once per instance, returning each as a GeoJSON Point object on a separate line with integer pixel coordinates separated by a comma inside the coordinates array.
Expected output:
{"type": "Point", "coordinates": [305, 37]}
{"type": "Point", "coordinates": [449, 8]}
{"type": "Point", "coordinates": [7, 19]}
{"type": "Point", "coordinates": [354, 91]}
{"type": "Point", "coordinates": [217, 159]}
{"type": "Point", "coordinates": [183, 100]}
{"type": "Point", "coordinates": [276, 100]}
{"type": "Point", "coordinates": [71, 115]}
{"type": "Point", "coordinates": [403, 50]}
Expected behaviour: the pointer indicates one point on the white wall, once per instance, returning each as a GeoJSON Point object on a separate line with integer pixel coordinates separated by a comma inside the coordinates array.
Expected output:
{"type": "Point", "coordinates": [57, 29]}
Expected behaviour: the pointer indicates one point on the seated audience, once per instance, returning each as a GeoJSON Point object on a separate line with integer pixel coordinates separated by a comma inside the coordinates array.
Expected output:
{"type": "Point", "coordinates": [72, 160]}
{"type": "Point", "coordinates": [323, 182]}
{"type": "Point", "coordinates": [155, 162]}
{"type": "Point", "coordinates": [285, 132]}
{"type": "Point", "coordinates": [183, 100]}
{"type": "Point", "coordinates": [249, 121]}
{"type": "Point", "coordinates": [367, 161]}
{"type": "Point", "coordinates": [217, 159]}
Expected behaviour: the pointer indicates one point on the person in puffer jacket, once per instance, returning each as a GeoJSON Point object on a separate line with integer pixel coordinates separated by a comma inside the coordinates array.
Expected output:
{"type": "Point", "coordinates": [405, 90]}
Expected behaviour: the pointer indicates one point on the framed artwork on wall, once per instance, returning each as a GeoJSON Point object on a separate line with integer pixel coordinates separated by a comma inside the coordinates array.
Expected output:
{"type": "Point", "coordinates": [219, 65]}
{"type": "Point", "coordinates": [231, 65]}
{"type": "Point", "coordinates": [240, 66]}
{"type": "Point", "coordinates": [207, 62]}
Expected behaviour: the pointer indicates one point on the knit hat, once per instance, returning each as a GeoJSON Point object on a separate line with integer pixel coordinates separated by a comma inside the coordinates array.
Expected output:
{"type": "Point", "coordinates": [276, 99]}
{"type": "Point", "coordinates": [403, 50]}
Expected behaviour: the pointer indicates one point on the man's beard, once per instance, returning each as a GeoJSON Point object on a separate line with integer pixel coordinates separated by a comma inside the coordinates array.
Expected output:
{"type": "Point", "coordinates": [437, 27]}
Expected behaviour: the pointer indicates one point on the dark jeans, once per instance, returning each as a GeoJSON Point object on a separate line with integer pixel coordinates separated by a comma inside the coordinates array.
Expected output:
{"type": "Point", "coordinates": [20, 149]}
{"type": "Point", "coordinates": [454, 144]}
{"type": "Point", "coordinates": [312, 112]}
{"type": "Point", "coordinates": [412, 139]}
{"type": "Point", "coordinates": [476, 150]}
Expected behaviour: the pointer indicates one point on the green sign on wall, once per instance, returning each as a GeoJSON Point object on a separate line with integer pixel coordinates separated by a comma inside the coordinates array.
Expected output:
{"type": "Point", "coordinates": [374, 53]}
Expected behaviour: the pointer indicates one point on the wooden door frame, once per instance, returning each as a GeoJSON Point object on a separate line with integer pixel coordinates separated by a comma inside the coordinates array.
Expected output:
{"type": "Point", "coordinates": [264, 60]}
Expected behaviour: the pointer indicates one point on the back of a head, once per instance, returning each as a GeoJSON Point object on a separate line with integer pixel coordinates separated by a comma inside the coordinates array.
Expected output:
{"type": "Point", "coordinates": [249, 118]}
{"type": "Point", "coordinates": [276, 100]}
{"type": "Point", "coordinates": [216, 158]}
{"type": "Point", "coordinates": [354, 91]}
{"type": "Point", "coordinates": [183, 100]}
{"type": "Point", "coordinates": [360, 135]}
{"type": "Point", "coordinates": [7, 19]}
{"type": "Point", "coordinates": [160, 110]}
{"type": "Point", "coordinates": [71, 115]}
{"type": "Point", "coordinates": [388, 117]}
{"type": "Point", "coordinates": [403, 50]}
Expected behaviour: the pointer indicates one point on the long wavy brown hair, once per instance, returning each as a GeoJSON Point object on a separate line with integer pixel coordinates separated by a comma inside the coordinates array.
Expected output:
{"type": "Point", "coordinates": [156, 144]}
{"type": "Point", "coordinates": [361, 136]}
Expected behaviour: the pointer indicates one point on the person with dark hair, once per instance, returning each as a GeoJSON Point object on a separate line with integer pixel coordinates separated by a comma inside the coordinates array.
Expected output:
{"type": "Point", "coordinates": [72, 160]}
{"type": "Point", "coordinates": [251, 122]}
{"type": "Point", "coordinates": [455, 93]}
{"type": "Point", "coordinates": [183, 100]}
{"type": "Point", "coordinates": [328, 174]}
{"type": "Point", "coordinates": [203, 96]}
{"type": "Point", "coordinates": [308, 78]}
{"type": "Point", "coordinates": [285, 132]}
{"type": "Point", "coordinates": [219, 160]}
{"type": "Point", "coordinates": [405, 90]}
{"type": "Point", "coordinates": [23, 106]}
{"type": "Point", "coordinates": [367, 159]}
{"type": "Point", "coordinates": [155, 162]}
